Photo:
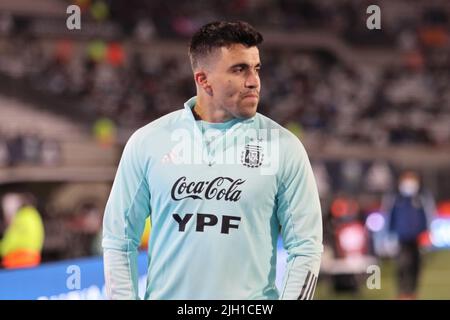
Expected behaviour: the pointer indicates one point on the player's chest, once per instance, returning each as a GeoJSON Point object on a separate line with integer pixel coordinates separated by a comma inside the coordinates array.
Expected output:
{"type": "Point", "coordinates": [242, 181]}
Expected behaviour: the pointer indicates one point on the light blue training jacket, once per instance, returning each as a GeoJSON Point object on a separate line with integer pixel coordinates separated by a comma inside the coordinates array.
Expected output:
{"type": "Point", "coordinates": [218, 196]}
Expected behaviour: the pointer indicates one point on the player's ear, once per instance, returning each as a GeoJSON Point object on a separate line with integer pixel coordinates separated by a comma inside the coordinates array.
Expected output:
{"type": "Point", "coordinates": [201, 79]}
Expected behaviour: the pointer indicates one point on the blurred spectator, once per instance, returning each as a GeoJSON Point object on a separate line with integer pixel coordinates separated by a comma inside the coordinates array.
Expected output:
{"type": "Point", "coordinates": [379, 177]}
{"type": "Point", "coordinates": [408, 218]}
{"type": "Point", "coordinates": [351, 175]}
{"type": "Point", "coordinates": [31, 144]}
{"type": "Point", "coordinates": [144, 30]}
{"type": "Point", "coordinates": [15, 147]}
{"type": "Point", "coordinates": [6, 23]}
{"type": "Point", "coordinates": [84, 228]}
{"type": "Point", "coordinates": [28, 148]}
{"type": "Point", "coordinates": [50, 152]}
{"type": "Point", "coordinates": [105, 132]}
{"type": "Point", "coordinates": [322, 179]}
{"type": "Point", "coordinates": [99, 10]}
{"type": "Point", "coordinates": [23, 239]}
{"type": "Point", "coordinates": [4, 153]}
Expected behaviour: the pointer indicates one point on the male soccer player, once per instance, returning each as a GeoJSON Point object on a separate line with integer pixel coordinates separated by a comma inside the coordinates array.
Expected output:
{"type": "Point", "coordinates": [215, 214]}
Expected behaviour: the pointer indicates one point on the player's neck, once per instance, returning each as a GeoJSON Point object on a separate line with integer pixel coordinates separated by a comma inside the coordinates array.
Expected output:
{"type": "Point", "coordinates": [208, 112]}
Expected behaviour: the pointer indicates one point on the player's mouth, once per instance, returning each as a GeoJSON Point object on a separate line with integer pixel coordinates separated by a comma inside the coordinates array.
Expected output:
{"type": "Point", "coordinates": [251, 95]}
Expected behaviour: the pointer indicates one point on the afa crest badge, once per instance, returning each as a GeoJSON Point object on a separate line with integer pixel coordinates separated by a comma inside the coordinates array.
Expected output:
{"type": "Point", "coordinates": [252, 156]}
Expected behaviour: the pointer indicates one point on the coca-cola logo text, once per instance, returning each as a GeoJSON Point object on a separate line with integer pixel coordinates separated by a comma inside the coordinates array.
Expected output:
{"type": "Point", "coordinates": [219, 188]}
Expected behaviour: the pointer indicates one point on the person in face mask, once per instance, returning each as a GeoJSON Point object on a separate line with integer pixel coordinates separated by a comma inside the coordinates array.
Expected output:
{"type": "Point", "coordinates": [408, 220]}
{"type": "Point", "coordinates": [409, 184]}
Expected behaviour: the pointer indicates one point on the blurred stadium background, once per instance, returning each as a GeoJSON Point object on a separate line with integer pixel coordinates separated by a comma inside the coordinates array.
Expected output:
{"type": "Point", "coordinates": [366, 104]}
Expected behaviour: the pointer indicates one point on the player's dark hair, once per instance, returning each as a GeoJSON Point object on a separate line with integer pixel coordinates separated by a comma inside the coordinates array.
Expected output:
{"type": "Point", "coordinates": [221, 34]}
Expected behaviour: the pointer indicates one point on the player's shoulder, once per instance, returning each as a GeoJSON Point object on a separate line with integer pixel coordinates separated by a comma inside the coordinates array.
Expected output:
{"type": "Point", "coordinates": [287, 138]}
{"type": "Point", "coordinates": [163, 123]}
{"type": "Point", "coordinates": [156, 128]}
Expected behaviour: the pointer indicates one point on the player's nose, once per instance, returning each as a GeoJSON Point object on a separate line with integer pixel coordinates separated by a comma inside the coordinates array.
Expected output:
{"type": "Point", "coordinates": [252, 81]}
